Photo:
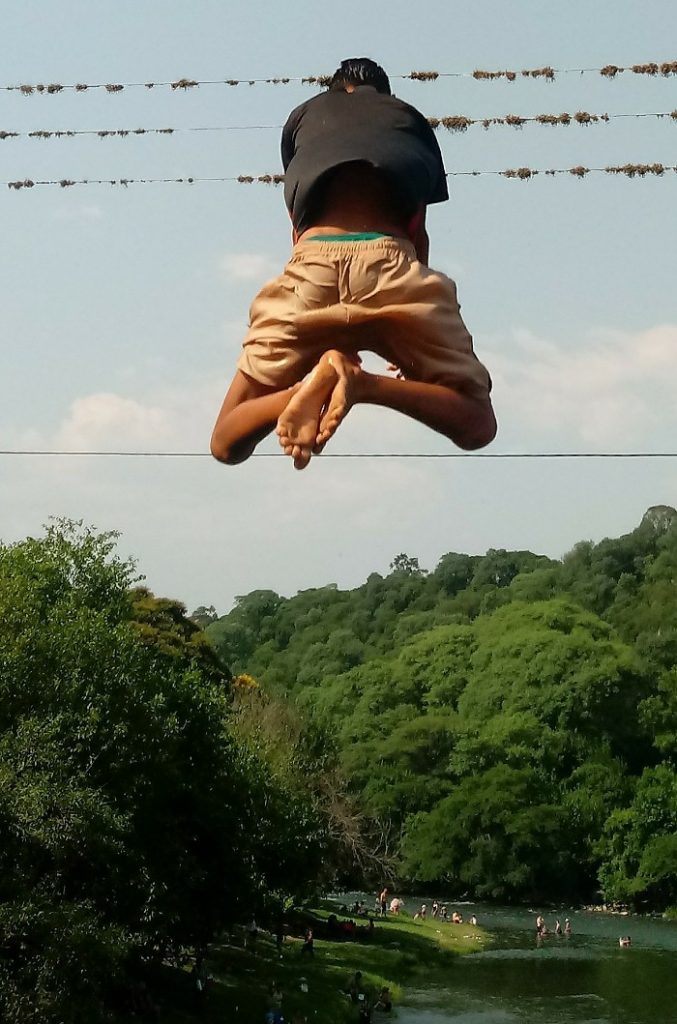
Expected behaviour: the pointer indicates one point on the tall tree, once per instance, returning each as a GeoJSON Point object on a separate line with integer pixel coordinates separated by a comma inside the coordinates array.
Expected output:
{"type": "Point", "coordinates": [134, 822]}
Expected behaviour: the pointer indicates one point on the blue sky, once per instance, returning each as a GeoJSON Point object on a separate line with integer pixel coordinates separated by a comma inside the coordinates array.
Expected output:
{"type": "Point", "coordinates": [123, 310]}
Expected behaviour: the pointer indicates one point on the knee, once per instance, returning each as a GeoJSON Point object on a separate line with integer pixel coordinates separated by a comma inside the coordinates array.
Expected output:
{"type": "Point", "coordinates": [480, 431]}
{"type": "Point", "coordinates": [219, 450]}
{"type": "Point", "coordinates": [229, 455]}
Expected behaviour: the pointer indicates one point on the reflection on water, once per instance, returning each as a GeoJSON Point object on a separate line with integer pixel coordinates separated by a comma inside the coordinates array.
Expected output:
{"type": "Point", "coordinates": [471, 1017]}
{"type": "Point", "coordinates": [584, 979]}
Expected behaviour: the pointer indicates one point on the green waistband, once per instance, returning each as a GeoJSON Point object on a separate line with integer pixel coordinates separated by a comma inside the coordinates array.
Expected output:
{"type": "Point", "coordinates": [358, 236]}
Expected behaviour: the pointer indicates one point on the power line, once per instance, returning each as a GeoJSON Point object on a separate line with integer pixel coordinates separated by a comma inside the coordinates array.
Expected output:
{"type": "Point", "coordinates": [460, 123]}
{"type": "Point", "coordinates": [610, 71]}
{"type": "Point", "coordinates": [452, 123]}
{"type": "Point", "coordinates": [123, 133]}
{"type": "Point", "coordinates": [346, 455]}
{"type": "Point", "coordinates": [629, 170]}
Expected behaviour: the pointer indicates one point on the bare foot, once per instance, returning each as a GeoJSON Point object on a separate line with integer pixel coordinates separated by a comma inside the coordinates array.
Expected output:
{"type": "Point", "coordinates": [298, 426]}
{"type": "Point", "coordinates": [342, 398]}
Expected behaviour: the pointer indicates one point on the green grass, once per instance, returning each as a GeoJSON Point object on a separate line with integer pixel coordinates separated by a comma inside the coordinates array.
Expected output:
{"type": "Point", "coordinates": [399, 953]}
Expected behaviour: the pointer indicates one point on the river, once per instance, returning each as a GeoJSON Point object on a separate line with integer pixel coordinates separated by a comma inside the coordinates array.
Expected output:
{"type": "Point", "coordinates": [583, 979]}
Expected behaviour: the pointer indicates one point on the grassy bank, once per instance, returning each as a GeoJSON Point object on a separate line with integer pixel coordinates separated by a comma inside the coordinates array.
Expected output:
{"type": "Point", "coordinates": [399, 952]}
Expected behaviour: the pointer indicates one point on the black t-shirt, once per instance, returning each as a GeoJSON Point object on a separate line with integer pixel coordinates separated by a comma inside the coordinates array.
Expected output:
{"type": "Point", "coordinates": [366, 126]}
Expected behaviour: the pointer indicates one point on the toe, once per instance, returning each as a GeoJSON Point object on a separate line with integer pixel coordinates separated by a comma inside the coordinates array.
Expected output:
{"type": "Point", "coordinates": [302, 459]}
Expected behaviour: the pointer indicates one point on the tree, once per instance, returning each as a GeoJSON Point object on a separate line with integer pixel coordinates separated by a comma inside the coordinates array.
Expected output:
{"type": "Point", "coordinates": [163, 624]}
{"type": "Point", "coordinates": [640, 844]}
{"type": "Point", "coordinates": [134, 824]}
{"type": "Point", "coordinates": [318, 830]}
{"type": "Point", "coordinates": [406, 564]}
{"type": "Point", "coordinates": [561, 674]}
{"type": "Point", "coordinates": [454, 572]}
{"type": "Point", "coordinates": [203, 615]}
{"type": "Point", "coordinates": [499, 567]}
{"type": "Point", "coordinates": [498, 835]}
{"type": "Point", "coordinates": [566, 667]}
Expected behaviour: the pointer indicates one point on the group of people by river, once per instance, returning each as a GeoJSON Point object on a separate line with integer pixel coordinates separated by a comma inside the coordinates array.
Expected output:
{"type": "Point", "coordinates": [350, 923]}
{"type": "Point", "coordinates": [542, 930]}
{"type": "Point", "coordinates": [384, 904]}
{"type": "Point", "coordinates": [439, 912]}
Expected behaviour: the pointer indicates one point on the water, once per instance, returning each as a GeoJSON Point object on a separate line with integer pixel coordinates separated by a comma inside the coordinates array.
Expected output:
{"type": "Point", "coordinates": [584, 979]}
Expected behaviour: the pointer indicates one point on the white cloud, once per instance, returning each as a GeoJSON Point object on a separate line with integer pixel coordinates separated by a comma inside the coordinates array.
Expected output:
{"type": "Point", "coordinates": [109, 421]}
{"type": "Point", "coordinates": [609, 388]}
{"type": "Point", "coordinates": [243, 266]}
{"type": "Point", "coordinates": [204, 532]}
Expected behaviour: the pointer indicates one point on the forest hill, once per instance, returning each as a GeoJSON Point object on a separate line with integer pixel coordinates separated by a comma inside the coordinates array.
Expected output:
{"type": "Point", "coordinates": [505, 725]}
{"type": "Point", "coordinates": [508, 722]}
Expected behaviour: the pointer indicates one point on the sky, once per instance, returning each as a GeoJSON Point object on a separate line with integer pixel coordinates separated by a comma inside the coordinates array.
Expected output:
{"type": "Point", "coordinates": [123, 309]}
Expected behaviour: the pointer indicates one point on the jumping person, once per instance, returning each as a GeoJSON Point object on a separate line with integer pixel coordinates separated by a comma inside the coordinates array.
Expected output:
{"type": "Point", "coordinates": [361, 168]}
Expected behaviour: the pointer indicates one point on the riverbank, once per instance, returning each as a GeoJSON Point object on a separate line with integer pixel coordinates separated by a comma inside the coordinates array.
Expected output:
{"type": "Point", "coordinates": [400, 952]}
{"type": "Point", "coordinates": [587, 976]}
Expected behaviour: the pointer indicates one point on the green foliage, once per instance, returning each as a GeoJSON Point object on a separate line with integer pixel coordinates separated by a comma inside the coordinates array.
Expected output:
{"type": "Point", "coordinates": [134, 824]}
{"type": "Point", "coordinates": [500, 713]}
{"type": "Point", "coordinates": [497, 834]}
{"type": "Point", "coordinates": [307, 828]}
{"type": "Point", "coordinates": [640, 843]}
{"type": "Point", "coordinates": [659, 715]}
{"type": "Point", "coordinates": [203, 615]}
{"type": "Point", "coordinates": [407, 565]}
{"type": "Point", "coordinates": [162, 625]}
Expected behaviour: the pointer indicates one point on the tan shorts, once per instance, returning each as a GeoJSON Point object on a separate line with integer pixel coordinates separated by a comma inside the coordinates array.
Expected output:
{"type": "Point", "coordinates": [361, 296]}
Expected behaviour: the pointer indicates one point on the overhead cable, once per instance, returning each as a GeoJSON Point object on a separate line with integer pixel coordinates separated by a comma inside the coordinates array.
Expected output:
{"type": "Point", "coordinates": [345, 455]}
{"type": "Point", "coordinates": [452, 123]}
{"type": "Point", "coordinates": [547, 72]}
{"type": "Point", "coordinates": [523, 173]}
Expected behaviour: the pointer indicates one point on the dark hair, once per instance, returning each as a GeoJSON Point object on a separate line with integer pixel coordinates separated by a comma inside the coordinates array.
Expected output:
{"type": "Point", "coordinates": [360, 71]}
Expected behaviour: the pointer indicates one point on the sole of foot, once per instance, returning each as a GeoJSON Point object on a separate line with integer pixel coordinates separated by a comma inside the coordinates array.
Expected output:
{"type": "Point", "coordinates": [299, 424]}
{"type": "Point", "coordinates": [340, 402]}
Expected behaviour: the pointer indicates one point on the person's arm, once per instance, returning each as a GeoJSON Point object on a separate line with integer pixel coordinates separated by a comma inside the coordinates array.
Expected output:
{"type": "Point", "coordinates": [288, 149]}
{"type": "Point", "coordinates": [422, 242]}
{"type": "Point", "coordinates": [419, 235]}
{"type": "Point", "coordinates": [438, 191]}
{"type": "Point", "coordinates": [288, 140]}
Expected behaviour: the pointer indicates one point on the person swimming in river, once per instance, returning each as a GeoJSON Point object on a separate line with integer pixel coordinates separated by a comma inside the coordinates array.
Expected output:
{"type": "Point", "coordinates": [361, 168]}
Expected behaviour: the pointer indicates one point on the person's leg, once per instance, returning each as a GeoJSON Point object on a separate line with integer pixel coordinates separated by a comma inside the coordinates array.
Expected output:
{"type": "Point", "coordinates": [249, 413]}
{"type": "Point", "coordinates": [251, 410]}
{"type": "Point", "coordinates": [409, 315]}
{"type": "Point", "coordinates": [270, 353]}
{"type": "Point", "coordinates": [466, 420]}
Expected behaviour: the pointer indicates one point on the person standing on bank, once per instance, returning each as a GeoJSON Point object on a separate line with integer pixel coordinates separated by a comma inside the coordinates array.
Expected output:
{"type": "Point", "coordinates": [361, 168]}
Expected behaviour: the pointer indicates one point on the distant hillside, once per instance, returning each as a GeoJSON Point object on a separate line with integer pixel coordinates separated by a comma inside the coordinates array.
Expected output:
{"type": "Point", "coordinates": [508, 721]}
{"type": "Point", "coordinates": [289, 642]}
